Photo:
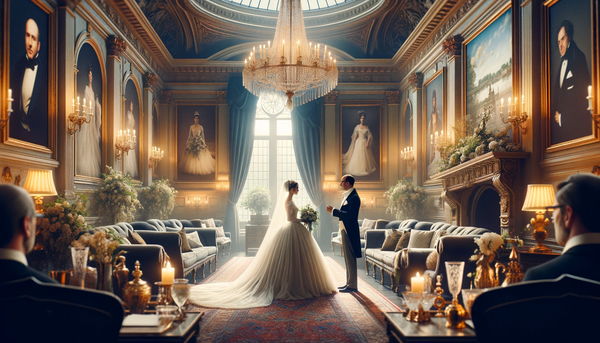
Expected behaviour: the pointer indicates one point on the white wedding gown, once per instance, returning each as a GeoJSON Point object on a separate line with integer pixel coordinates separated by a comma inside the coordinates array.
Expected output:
{"type": "Point", "coordinates": [204, 164]}
{"type": "Point", "coordinates": [359, 160]}
{"type": "Point", "coordinates": [289, 265]}
{"type": "Point", "coordinates": [89, 155]}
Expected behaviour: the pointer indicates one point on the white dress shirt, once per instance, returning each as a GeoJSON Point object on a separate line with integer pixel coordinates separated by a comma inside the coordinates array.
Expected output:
{"type": "Point", "coordinates": [345, 195]}
{"type": "Point", "coordinates": [27, 88]}
{"type": "Point", "coordinates": [14, 255]}
{"type": "Point", "coordinates": [586, 238]}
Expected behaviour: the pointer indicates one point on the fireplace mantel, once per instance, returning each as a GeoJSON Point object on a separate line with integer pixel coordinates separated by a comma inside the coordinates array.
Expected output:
{"type": "Point", "coordinates": [500, 169]}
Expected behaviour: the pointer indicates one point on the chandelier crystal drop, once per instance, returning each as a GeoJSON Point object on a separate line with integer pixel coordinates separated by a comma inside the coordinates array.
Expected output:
{"type": "Point", "coordinates": [291, 65]}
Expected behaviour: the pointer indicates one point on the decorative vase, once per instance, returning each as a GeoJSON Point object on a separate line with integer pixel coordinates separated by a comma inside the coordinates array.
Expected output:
{"type": "Point", "coordinates": [136, 293]}
{"type": "Point", "coordinates": [79, 256]}
{"type": "Point", "coordinates": [486, 276]}
{"type": "Point", "coordinates": [121, 274]}
{"type": "Point", "coordinates": [105, 276]}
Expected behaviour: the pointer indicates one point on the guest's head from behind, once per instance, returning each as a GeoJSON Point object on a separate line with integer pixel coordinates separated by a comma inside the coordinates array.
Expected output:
{"type": "Point", "coordinates": [292, 186]}
{"type": "Point", "coordinates": [565, 36]}
{"type": "Point", "coordinates": [347, 182]}
{"type": "Point", "coordinates": [18, 218]}
{"type": "Point", "coordinates": [577, 207]}
{"type": "Point", "coordinates": [32, 39]}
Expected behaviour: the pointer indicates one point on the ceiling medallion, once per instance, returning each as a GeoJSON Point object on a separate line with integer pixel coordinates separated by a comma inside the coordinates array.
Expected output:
{"type": "Point", "coordinates": [292, 65]}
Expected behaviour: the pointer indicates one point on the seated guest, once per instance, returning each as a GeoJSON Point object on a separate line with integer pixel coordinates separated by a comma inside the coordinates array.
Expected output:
{"type": "Point", "coordinates": [576, 220]}
{"type": "Point", "coordinates": [17, 234]}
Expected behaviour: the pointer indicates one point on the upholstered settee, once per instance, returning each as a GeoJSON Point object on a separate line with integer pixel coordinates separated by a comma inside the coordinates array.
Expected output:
{"type": "Point", "coordinates": [185, 263]}
{"type": "Point", "coordinates": [223, 238]}
{"type": "Point", "coordinates": [336, 239]}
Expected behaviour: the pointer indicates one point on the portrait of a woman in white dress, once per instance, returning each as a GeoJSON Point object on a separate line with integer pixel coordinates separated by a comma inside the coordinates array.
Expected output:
{"type": "Point", "coordinates": [359, 159]}
{"type": "Point", "coordinates": [197, 159]}
{"type": "Point", "coordinates": [131, 159]}
{"type": "Point", "coordinates": [89, 155]}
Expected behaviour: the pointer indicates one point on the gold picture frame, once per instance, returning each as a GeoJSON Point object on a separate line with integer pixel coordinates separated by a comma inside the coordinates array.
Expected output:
{"type": "Point", "coordinates": [432, 88]}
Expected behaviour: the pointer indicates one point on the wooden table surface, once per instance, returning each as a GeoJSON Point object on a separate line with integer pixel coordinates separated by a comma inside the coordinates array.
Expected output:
{"type": "Point", "coordinates": [401, 330]}
{"type": "Point", "coordinates": [181, 332]}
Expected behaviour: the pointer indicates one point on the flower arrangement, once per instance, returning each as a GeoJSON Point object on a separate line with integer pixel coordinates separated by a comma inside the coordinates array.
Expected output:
{"type": "Point", "coordinates": [102, 245]}
{"type": "Point", "coordinates": [195, 145]}
{"type": "Point", "coordinates": [488, 245]}
{"type": "Point", "coordinates": [405, 200]}
{"type": "Point", "coordinates": [116, 199]}
{"type": "Point", "coordinates": [158, 199]}
{"type": "Point", "coordinates": [479, 143]}
{"type": "Point", "coordinates": [63, 222]}
{"type": "Point", "coordinates": [309, 216]}
{"type": "Point", "coordinates": [258, 200]}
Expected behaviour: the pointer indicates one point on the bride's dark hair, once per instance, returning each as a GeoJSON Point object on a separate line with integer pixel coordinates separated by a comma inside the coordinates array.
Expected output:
{"type": "Point", "coordinates": [292, 184]}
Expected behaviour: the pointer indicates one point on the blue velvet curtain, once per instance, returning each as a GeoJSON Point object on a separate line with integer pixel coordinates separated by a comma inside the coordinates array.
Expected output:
{"type": "Point", "coordinates": [242, 111]}
{"type": "Point", "coordinates": [306, 135]}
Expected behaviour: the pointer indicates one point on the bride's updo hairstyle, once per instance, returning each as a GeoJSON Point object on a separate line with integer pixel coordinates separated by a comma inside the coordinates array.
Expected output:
{"type": "Point", "coordinates": [362, 114]}
{"type": "Point", "coordinates": [196, 115]}
{"type": "Point", "coordinates": [291, 184]}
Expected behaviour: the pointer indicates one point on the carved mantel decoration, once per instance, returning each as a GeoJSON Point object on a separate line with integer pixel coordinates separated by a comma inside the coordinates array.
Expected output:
{"type": "Point", "coordinates": [500, 169]}
{"type": "Point", "coordinates": [115, 46]}
{"type": "Point", "coordinates": [416, 80]}
{"type": "Point", "coordinates": [452, 45]}
{"type": "Point", "coordinates": [331, 98]}
{"type": "Point", "coordinates": [392, 97]}
{"type": "Point", "coordinates": [165, 97]}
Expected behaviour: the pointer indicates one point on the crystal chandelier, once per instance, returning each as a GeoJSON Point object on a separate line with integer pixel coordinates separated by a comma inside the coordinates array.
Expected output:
{"type": "Point", "coordinates": [299, 69]}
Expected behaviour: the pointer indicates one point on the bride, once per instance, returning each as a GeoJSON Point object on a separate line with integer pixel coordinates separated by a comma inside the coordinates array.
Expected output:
{"type": "Point", "coordinates": [359, 160]}
{"type": "Point", "coordinates": [289, 265]}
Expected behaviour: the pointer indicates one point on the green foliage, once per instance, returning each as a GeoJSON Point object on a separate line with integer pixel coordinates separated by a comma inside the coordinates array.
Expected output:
{"type": "Point", "coordinates": [405, 200]}
{"type": "Point", "coordinates": [258, 200]}
{"type": "Point", "coordinates": [116, 199]}
{"type": "Point", "coordinates": [158, 199]}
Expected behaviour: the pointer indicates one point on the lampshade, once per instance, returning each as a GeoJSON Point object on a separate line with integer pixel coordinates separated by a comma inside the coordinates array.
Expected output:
{"type": "Point", "coordinates": [40, 183]}
{"type": "Point", "coordinates": [538, 198]}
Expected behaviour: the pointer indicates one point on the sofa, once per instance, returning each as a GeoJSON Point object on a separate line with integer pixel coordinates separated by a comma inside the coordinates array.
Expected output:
{"type": "Point", "coordinates": [223, 239]}
{"type": "Point", "coordinates": [336, 239]}
{"type": "Point", "coordinates": [456, 245]}
{"type": "Point", "coordinates": [156, 232]}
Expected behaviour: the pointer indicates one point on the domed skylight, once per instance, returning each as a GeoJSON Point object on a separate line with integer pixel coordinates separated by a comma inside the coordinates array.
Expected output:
{"type": "Point", "coordinates": [273, 5]}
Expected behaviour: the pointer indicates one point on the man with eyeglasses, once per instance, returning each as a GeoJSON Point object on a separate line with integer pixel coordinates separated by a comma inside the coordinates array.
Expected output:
{"type": "Point", "coordinates": [17, 234]}
{"type": "Point", "coordinates": [576, 217]}
{"type": "Point", "coordinates": [350, 232]}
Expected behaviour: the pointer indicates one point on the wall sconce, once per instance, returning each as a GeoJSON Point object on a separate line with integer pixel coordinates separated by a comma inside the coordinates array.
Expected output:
{"type": "Point", "coordinates": [366, 204]}
{"type": "Point", "coordinates": [222, 187]}
{"type": "Point", "coordinates": [330, 187]}
{"type": "Point", "coordinates": [3, 122]}
{"type": "Point", "coordinates": [518, 120]}
{"type": "Point", "coordinates": [197, 203]}
{"type": "Point", "coordinates": [155, 156]}
{"type": "Point", "coordinates": [595, 117]}
{"type": "Point", "coordinates": [408, 155]}
{"type": "Point", "coordinates": [40, 183]}
{"type": "Point", "coordinates": [125, 142]}
{"type": "Point", "coordinates": [77, 117]}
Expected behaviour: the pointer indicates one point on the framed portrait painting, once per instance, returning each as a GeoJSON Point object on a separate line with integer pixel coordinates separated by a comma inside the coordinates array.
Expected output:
{"type": "Point", "coordinates": [196, 142]}
{"type": "Point", "coordinates": [131, 122]}
{"type": "Point", "coordinates": [361, 141]}
{"type": "Point", "coordinates": [488, 65]}
{"type": "Point", "coordinates": [32, 74]}
{"type": "Point", "coordinates": [568, 71]}
{"type": "Point", "coordinates": [90, 91]}
{"type": "Point", "coordinates": [435, 121]}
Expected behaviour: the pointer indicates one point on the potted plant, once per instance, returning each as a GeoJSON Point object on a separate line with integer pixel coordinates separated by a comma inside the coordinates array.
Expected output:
{"type": "Point", "coordinates": [405, 200]}
{"type": "Point", "coordinates": [258, 201]}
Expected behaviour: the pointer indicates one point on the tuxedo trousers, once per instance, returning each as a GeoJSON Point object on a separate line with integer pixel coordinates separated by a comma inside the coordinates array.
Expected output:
{"type": "Point", "coordinates": [350, 259]}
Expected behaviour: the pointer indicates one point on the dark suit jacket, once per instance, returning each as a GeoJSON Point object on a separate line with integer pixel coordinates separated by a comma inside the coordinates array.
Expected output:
{"type": "Point", "coordinates": [13, 270]}
{"type": "Point", "coordinates": [348, 214]}
{"type": "Point", "coordinates": [570, 99]}
{"type": "Point", "coordinates": [37, 116]}
{"type": "Point", "coordinates": [580, 260]}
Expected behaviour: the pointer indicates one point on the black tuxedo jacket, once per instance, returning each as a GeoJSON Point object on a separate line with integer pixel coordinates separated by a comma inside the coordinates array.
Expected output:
{"type": "Point", "coordinates": [570, 99]}
{"type": "Point", "coordinates": [37, 116]}
{"type": "Point", "coordinates": [580, 261]}
{"type": "Point", "coordinates": [13, 270]}
{"type": "Point", "coordinates": [348, 214]}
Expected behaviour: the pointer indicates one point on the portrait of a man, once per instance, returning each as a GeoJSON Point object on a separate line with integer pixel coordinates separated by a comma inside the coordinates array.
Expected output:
{"type": "Point", "coordinates": [569, 116]}
{"type": "Point", "coordinates": [29, 83]}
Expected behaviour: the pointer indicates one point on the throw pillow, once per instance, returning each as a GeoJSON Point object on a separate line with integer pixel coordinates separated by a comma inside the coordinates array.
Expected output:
{"type": "Point", "coordinates": [420, 239]}
{"type": "Point", "coordinates": [436, 236]}
{"type": "Point", "coordinates": [194, 240]}
{"type": "Point", "coordinates": [185, 245]}
{"type": "Point", "coordinates": [391, 240]}
{"type": "Point", "coordinates": [210, 222]}
{"type": "Point", "coordinates": [124, 241]}
{"type": "Point", "coordinates": [220, 232]}
{"type": "Point", "coordinates": [367, 224]}
{"type": "Point", "coordinates": [203, 225]}
{"type": "Point", "coordinates": [135, 238]}
{"type": "Point", "coordinates": [431, 261]}
{"type": "Point", "coordinates": [403, 241]}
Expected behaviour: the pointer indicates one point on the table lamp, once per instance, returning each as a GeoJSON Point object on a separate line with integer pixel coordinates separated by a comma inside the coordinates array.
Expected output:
{"type": "Point", "coordinates": [40, 183]}
{"type": "Point", "coordinates": [537, 199]}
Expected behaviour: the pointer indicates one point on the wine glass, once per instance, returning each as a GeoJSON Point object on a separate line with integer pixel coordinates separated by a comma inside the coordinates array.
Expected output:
{"type": "Point", "coordinates": [180, 292]}
{"type": "Point", "coordinates": [454, 274]}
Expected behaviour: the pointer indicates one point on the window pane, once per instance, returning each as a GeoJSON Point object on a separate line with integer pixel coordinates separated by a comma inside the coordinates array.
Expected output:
{"type": "Point", "coordinates": [261, 128]}
{"type": "Point", "coordinates": [257, 174]}
{"type": "Point", "coordinates": [288, 170]}
{"type": "Point", "coordinates": [284, 128]}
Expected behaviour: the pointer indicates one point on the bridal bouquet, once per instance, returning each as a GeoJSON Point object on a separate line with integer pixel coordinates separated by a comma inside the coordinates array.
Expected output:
{"type": "Point", "coordinates": [309, 216]}
{"type": "Point", "coordinates": [195, 145]}
{"type": "Point", "coordinates": [116, 199]}
{"type": "Point", "coordinates": [158, 199]}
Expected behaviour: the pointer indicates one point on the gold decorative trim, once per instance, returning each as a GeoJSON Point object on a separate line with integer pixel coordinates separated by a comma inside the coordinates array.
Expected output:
{"type": "Point", "coordinates": [115, 46]}
{"type": "Point", "coordinates": [416, 80]}
{"type": "Point", "coordinates": [392, 97]}
{"type": "Point", "coordinates": [221, 97]}
{"type": "Point", "coordinates": [331, 98]}
{"type": "Point", "coordinates": [165, 97]}
{"type": "Point", "coordinates": [452, 46]}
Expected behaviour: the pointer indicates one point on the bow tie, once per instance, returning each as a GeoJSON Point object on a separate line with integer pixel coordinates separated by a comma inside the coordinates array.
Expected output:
{"type": "Point", "coordinates": [32, 63]}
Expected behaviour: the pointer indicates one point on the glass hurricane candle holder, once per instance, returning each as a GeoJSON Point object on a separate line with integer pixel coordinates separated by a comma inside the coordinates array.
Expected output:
{"type": "Point", "coordinates": [412, 302]}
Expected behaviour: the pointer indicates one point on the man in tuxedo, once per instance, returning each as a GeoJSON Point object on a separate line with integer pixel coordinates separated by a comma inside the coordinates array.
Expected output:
{"type": "Point", "coordinates": [29, 121]}
{"type": "Point", "coordinates": [577, 228]}
{"type": "Point", "coordinates": [348, 213]}
{"type": "Point", "coordinates": [570, 117]}
{"type": "Point", "coordinates": [17, 234]}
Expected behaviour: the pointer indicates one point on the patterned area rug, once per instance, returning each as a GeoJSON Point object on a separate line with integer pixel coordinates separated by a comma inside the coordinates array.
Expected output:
{"type": "Point", "coordinates": [342, 317]}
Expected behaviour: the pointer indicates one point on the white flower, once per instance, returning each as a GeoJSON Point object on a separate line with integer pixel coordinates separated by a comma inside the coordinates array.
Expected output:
{"type": "Point", "coordinates": [66, 204]}
{"type": "Point", "coordinates": [493, 145]}
{"type": "Point", "coordinates": [80, 219]}
{"type": "Point", "coordinates": [463, 158]}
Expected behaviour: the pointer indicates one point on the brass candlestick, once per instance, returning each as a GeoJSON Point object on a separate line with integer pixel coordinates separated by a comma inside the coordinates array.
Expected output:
{"type": "Point", "coordinates": [439, 301]}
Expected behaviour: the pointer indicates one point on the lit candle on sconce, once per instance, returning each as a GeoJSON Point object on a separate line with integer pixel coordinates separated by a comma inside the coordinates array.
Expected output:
{"type": "Point", "coordinates": [283, 48]}
{"type": "Point", "coordinates": [10, 100]}
{"type": "Point", "coordinates": [268, 48]}
{"type": "Point", "coordinates": [325, 52]}
{"type": "Point", "coordinates": [589, 97]}
{"type": "Point", "coordinates": [310, 49]}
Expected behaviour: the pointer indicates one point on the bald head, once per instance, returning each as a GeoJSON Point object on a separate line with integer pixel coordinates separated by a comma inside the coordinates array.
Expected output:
{"type": "Point", "coordinates": [16, 212]}
{"type": "Point", "coordinates": [32, 38]}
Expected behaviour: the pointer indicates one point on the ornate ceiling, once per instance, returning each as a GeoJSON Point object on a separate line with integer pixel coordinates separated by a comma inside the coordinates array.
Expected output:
{"type": "Point", "coordinates": [216, 30]}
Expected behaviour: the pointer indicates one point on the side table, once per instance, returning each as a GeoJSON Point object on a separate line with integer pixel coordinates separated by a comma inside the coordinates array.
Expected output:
{"type": "Point", "coordinates": [401, 330]}
{"type": "Point", "coordinates": [531, 259]}
{"type": "Point", "coordinates": [181, 332]}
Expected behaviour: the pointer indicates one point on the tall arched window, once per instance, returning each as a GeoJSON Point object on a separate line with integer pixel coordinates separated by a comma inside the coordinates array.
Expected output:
{"type": "Point", "coordinates": [273, 159]}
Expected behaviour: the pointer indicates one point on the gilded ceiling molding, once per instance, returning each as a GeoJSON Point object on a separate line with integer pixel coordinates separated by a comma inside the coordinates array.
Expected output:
{"type": "Point", "coordinates": [416, 80]}
{"type": "Point", "coordinates": [392, 97]}
{"type": "Point", "coordinates": [360, 38]}
{"type": "Point", "coordinates": [115, 46]}
{"type": "Point", "coordinates": [453, 45]}
{"type": "Point", "coordinates": [150, 80]}
{"type": "Point", "coordinates": [165, 97]}
{"type": "Point", "coordinates": [331, 98]}
{"type": "Point", "coordinates": [207, 35]}
{"type": "Point", "coordinates": [221, 97]}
